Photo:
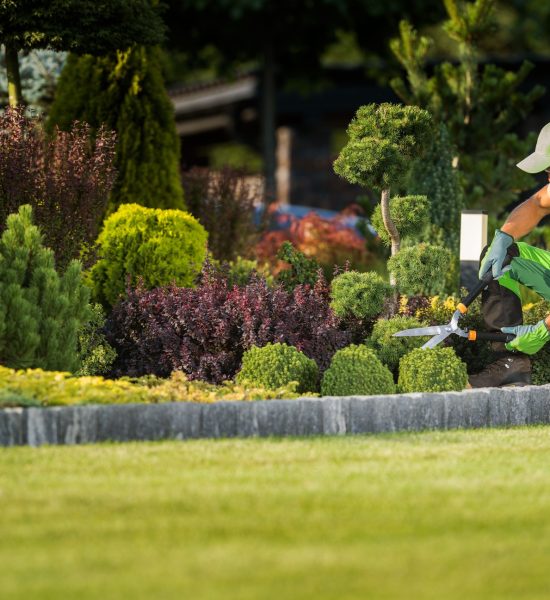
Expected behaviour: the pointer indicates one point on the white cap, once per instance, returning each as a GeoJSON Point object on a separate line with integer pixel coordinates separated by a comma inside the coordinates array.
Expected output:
{"type": "Point", "coordinates": [540, 159]}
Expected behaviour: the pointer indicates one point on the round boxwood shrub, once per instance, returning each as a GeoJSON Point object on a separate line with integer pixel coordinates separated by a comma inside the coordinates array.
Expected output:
{"type": "Point", "coordinates": [358, 295]}
{"type": "Point", "coordinates": [356, 371]}
{"type": "Point", "coordinates": [390, 349]}
{"type": "Point", "coordinates": [420, 269]}
{"type": "Point", "coordinates": [432, 370]}
{"type": "Point", "coordinates": [276, 365]}
{"type": "Point", "coordinates": [156, 246]}
{"type": "Point", "coordinates": [409, 214]}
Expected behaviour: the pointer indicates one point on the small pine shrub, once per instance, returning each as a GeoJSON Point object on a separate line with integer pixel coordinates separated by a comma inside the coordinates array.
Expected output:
{"type": "Point", "coordinates": [541, 367]}
{"type": "Point", "coordinates": [390, 349]}
{"type": "Point", "coordinates": [408, 213]}
{"type": "Point", "coordinates": [432, 370]}
{"type": "Point", "coordinates": [41, 311]}
{"type": "Point", "coordinates": [96, 354]}
{"type": "Point", "coordinates": [356, 370]}
{"type": "Point", "coordinates": [156, 246]}
{"type": "Point", "coordinates": [276, 365]}
{"type": "Point", "coordinates": [359, 295]}
{"type": "Point", "coordinates": [420, 269]}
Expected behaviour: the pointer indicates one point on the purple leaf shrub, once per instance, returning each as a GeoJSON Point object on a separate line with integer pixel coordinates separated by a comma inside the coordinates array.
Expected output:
{"type": "Point", "coordinates": [204, 331]}
{"type": "Point", "coordinates": [67, 178]}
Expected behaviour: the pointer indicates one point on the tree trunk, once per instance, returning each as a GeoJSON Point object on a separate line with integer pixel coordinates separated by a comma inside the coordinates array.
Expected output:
{"type": "Point", "coordinates": [390, 227]}
{"type": "Point", "coordinates": [15, 96]}
{"type": "Point", "coordinates": [268, 118]}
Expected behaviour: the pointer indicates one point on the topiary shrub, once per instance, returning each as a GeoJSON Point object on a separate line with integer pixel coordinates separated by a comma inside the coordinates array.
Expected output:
{"type": "Point", "coordinates": [409, 214]}
{"type": "Point", "coordinates": [359, 295]}
{"type": "Point", "coordinates": [541, 366]}
{"type": "Point", "coordinates": [276, 365]}
{"type": "Point", "coordinates": [156, 246]}
{"type": "Point", "coordinates": [390, 349]}
{"type": "Point", "coordinates": [420, 269]}
{"type": "Point", "coordinates": [356, 370]}
{"type": "Point", "coordinates": [432, 370]}
{"type": "Point", "coordinates": [40, 310]}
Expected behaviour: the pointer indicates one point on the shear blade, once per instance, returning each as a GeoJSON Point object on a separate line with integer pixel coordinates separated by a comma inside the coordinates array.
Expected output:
{"type": "Point", "coordinates": [436, 340]}
{"type": "Point", "coordinates": [435, 330]}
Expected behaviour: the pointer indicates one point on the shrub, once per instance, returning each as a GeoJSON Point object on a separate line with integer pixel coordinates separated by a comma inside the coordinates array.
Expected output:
{"type": "Point", "coordinates": [390, 349]}
{"type": "Point", "coordinates": [154, 245]}
{"type": "Point", "coordinates": [276, 365]}
{"type": "Point", "coordinates": [96, 354]}
{"type": "Point", "coordinates": [409, 214]}
{"type": "Point", "coordinates": [66, 178]}
{"type": "Point", "coordinates": [432, 370]}
{"type": "Point", "coordinates": [533, 313]}
{"type": "Point", "coordinates": [359, 295]}
{"type": "Point", "coordinates": [356, 370]}
{"type": "Point", "coordinates": [40, 310]}
{"type": "Point", "coordinates": [541, 367]}
{"type": "Point", "coordinates": [420, 269]}
{"type": "Point", "coordinates": [303, 270]}
{"type": "Point", "coordinates": [240, 271]}
{"type": "Point", "coordinates": [223, 202]}
{"type": "Point", "coordinates": [329, 241]}
{"type": "Point", "coordinates": [35, 387]}
{"type": "Point", "coordinates": [204, 331]}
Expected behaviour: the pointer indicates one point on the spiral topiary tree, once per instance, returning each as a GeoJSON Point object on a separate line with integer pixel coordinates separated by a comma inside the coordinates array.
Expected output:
{"type": "Point", "coordinates": [383, 140]}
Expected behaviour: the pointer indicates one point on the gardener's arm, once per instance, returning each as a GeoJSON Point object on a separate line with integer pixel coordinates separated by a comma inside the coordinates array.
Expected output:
{"type": "Point", "coordinates": [525, 217]}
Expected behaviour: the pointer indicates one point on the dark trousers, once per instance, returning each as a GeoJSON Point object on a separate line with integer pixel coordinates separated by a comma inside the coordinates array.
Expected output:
{"type": "Point", "coordinates": [500, 307]}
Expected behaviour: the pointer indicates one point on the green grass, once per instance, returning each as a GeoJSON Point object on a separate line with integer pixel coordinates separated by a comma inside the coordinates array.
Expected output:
{"type": "Point", "coordinates": [434, 515]}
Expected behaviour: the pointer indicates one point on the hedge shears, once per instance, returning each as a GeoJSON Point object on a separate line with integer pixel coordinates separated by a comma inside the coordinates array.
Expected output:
{"type": "Point", "coordinates": [440, 332]}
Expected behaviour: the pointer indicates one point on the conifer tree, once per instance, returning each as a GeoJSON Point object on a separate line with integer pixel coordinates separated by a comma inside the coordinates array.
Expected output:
{"type": "Point", "coordinates": [41, 311]}
{"type": "Point", "coordinates": [479, 104]}
{"type": "Point", "coordinates": [125, 91]}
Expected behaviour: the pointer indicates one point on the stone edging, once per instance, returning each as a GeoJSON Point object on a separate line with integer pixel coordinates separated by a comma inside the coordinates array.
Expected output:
{"type": "Point", "coordinates": [489, 407]}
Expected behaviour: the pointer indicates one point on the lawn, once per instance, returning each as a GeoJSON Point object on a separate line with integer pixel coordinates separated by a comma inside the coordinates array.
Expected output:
{"type": "Point", "coordinates": [431, 515]}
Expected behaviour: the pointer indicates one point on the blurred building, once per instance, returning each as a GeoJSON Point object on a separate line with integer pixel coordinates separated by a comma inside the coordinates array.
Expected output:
{"type": "Point", "coordinates": [310, 130]}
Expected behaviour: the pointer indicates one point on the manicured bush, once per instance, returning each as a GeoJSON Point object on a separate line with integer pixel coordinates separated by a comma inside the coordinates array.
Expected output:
{"type": "Point", "coordinates": [420, 269]}
{"type": "Point", "coordinates": [155, 246]}
{"type": "Point", "coordinates": [356, 370]}
{"type": "Point", "coordinates": [541, 367]}
{"type": "Point", "coordinates": [303, 270]}
{"type": "Point", "coordinates": [204, 331]}
{"type": "Point", "coordinates": [359, 295]}
{"type": "Point", "coordinates": [276, 365]}
{"type": "Point", "coordinates": [35, 387]}
{"type": "Point", "coordinates": [432, 370]}
{"type": "Point", "coordinates": [96, 354]}
{"type": "Point", "coordinates": [66, 178]}
{"type": "Point", "coordinates": [409, 213]}
{"type": "Point", "coordinates": [223, 202]}
{"type": "Point", "coordinates": [41, 311]}
{"type": "Point", "coordinates": [390, 349]}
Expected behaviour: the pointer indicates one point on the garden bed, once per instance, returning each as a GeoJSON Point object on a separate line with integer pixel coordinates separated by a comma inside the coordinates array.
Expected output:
{"type": "Point", "coordinates": [489, 407]}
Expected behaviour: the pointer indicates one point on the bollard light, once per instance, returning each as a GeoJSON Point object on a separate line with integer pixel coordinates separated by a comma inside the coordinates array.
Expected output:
{"type": "Point", "coordinates": [473, 238]}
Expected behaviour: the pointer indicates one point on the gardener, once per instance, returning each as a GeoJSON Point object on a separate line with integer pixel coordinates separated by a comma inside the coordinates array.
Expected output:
{"type": "Point", "coordinates": [501, 304]}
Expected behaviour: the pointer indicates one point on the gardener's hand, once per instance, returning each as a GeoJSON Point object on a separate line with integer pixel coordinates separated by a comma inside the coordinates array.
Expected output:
{"type": "Point", "coordinates": [496, 254]}
{"type": "Point", "coordinates": [529, 338]}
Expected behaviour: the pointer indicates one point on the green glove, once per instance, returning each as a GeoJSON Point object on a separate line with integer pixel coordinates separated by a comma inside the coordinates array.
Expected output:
{"type": "Point", "coordinates": [529, 338]}
{"type": "Point", "coordinates": [496, 254]}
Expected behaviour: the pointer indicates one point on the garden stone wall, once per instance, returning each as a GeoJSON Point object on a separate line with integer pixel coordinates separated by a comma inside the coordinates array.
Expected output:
{"type": "Point", "coordinates": [490, 407]}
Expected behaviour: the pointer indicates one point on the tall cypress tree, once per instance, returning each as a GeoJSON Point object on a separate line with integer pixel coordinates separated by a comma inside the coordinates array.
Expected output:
{"type": "Point", "coordinates": [125, 91]}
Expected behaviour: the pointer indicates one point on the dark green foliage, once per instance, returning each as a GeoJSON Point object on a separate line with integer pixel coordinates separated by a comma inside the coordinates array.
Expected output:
{"type": "Point", "coordinates": [382, 140]}
{"type": "Point", "coordinates": [41, 311]}
{"type": "Point", "coordinates": [157, 247]}
{"type": "Point", "coordinates": [390, 349]}
{"type": "Point", "coordinates": [275, 365]}
{"type": "Point", "coordinates": [96, 354]}
{"type": "Point", "coordinates": [432, 370]}
{"type": "Point", "coordinates": [541, 367]}
{"type": "Point", "coordinates": [435, 177]}
{"type": "Point", "coordinates": [420, 269]}
{"type": "Point", "coordinates": [302, 268]}
{"type": "Point", "coordinates": [356, 371]}
{"type": "Point", "coordinates": [409, 213]}
{"type": "Point", "coordinates": [533, 313]}
{"type": "Point", "coordinates": [125, 91]}
{"type": "Point", "coordinates": [359, 295]}
{"type": "Point", "coordinates": [480, 105]}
